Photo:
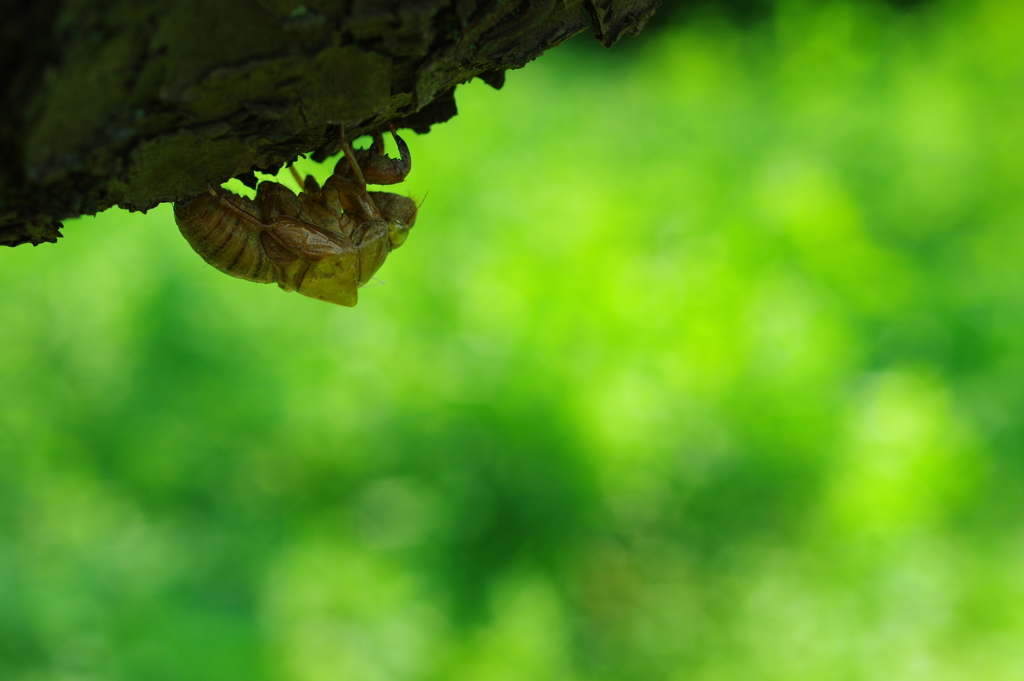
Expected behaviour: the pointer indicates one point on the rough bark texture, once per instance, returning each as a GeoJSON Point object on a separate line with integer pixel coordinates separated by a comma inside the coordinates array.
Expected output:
{"type": "Point", "coordinates": [137, 102]}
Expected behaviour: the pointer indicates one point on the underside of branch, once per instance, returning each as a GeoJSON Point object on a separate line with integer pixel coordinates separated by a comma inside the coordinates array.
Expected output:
{"type": "Point", "coordinates": [132, 103]}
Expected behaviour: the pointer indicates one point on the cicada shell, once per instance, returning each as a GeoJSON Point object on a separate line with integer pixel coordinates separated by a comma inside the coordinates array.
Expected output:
{"type": "Point", "coordinates": [325, 242]}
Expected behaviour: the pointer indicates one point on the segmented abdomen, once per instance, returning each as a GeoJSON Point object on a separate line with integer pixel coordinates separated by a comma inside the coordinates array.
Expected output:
{"type": "Point", "coordinates": [224, 238]}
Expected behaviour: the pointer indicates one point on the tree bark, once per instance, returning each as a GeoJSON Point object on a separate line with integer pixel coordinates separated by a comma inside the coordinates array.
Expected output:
{"type": "Point", "coordinates": [132, 103]}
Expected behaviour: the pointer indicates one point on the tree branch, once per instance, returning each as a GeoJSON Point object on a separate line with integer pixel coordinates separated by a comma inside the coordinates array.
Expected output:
{"type": "Point", "coordinates": [136, 102]}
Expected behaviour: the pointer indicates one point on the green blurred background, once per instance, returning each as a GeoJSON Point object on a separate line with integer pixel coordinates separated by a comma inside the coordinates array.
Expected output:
{"type": "Point", "coordinates": [705, 360]}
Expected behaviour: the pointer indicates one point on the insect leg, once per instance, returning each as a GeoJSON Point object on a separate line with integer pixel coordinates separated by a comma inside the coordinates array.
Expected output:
{"type": "Point", "coordinates": [350, 156]}
{"type": "Point", "coordinates": [357, 187]}
{"type": "Point", "coordinates": [298, 178]}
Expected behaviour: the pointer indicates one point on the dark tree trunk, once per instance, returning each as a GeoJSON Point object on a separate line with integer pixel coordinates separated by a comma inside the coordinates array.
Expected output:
{"type": "Point", "coordinates": [136, 102]}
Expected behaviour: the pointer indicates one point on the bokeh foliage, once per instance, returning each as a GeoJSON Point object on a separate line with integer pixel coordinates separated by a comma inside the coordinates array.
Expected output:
{"type": "Point", "coordinates": [734, 395]}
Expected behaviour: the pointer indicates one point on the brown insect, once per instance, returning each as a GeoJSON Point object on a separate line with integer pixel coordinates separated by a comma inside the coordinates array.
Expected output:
{"type": "Point", "coordinates": [324, 243]}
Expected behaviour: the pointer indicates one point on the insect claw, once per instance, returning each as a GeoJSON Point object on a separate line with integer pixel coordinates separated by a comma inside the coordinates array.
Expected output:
{"type": "Point", "coordinates": [403, 151]}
